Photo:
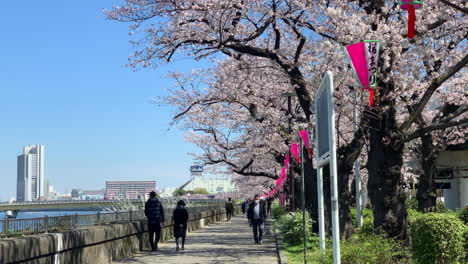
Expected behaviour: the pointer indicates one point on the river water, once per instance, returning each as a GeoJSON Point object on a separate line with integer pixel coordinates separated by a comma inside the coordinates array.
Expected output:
{"type": "Point", "coordinates": [49, 213]}
{"type": "Point", "coordinates": [40, 214]}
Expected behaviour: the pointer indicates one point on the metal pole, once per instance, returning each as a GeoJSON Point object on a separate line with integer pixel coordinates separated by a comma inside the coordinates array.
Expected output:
{"type": "Point", "coordinates": [333, 177]}
{"type": "Point", "coordinates": [303, 203]}
{"type": "Point", "coordinates": [292, 205]}
{"type": "Point", "coordinates": [320, 207]}
{"type": "Point", "coordinates": [46, 224]}
{"type": "Point", "coordinates": [321, 216]}
{"type": "Point", "coordinates": [357, 174]}
{"type": "Point", "coordinates": [5, 226]}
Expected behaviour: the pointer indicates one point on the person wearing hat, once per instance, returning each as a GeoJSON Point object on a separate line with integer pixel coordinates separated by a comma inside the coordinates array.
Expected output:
{"type": "Point", "coordinates": [154, 212]}
{"type": "Point", "coordinates": [180, 218]}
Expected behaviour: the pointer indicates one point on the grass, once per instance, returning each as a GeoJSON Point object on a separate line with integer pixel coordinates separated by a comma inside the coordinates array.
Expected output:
{"type": "Point", "coordinates": [295, 253]}
{"type": "Point", "coordinates": [361, 249]}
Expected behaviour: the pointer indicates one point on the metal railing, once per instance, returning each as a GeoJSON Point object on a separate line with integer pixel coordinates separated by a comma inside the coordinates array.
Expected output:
{"type": "Point", "coordinates": [12, 227]}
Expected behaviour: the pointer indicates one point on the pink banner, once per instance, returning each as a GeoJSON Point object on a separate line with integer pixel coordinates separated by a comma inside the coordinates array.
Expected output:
{"type": "Point", "coordinates": [286, 161]}
{"type": "Point", "coordinates": [283, 173]}
{"type": "Point", "coordinates": [357, 55]}
{"type": "Point", "coordinates": [281, 199]}
{"type": "Point", "coordinates": [364, 58]}
{"type": "Point", "coordinates": [305, 138]}
{"type": "Point", "coordinates": [295, 152]}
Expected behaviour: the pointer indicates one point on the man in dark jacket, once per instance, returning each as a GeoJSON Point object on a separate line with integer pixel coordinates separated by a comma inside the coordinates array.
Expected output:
{"type": "Point", "coordinates": [257, 215]}
{"type": "Point", "coordinates": [229, 209]}
{"type": "Point", "coordinates": [154, 211]}
{"type": "Point", "coordinates": [244, 205]}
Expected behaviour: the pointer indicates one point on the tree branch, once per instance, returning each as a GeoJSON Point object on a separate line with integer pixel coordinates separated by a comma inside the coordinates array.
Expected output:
{"type": "Point", "coordinates": [461, 9]}
{"type": "Point", "coordinates": [436, 83]}
{"type": "Point", "coordinates": [420, 132]}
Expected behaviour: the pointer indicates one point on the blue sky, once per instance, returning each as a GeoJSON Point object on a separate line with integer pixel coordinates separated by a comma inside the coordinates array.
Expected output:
{"type": "Point", "coordinates": [64, 84]}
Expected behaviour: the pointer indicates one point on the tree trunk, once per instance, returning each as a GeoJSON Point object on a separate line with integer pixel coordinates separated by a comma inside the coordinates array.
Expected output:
{"type": "Point", "coordinates": [344, 200]}
{"type": "Point", "coordinates": [427, 193]}
{"type": "Point", "coordinates": [346, 227]}
{"type": "Point", "coordinates": [385, 159]}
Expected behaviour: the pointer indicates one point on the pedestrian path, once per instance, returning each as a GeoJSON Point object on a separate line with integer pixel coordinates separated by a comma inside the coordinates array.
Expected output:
{"type": "Point", "coordinates": [223, 242]}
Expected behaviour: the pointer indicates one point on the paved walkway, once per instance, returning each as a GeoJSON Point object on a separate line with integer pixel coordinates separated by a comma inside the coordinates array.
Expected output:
{"type": "Point", "coordinates": [221, 243]}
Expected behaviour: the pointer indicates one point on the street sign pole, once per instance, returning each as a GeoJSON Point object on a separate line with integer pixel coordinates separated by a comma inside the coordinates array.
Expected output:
{"type": "Point", "coordinates": [326, 155]}
{"type": "Point", "coordinates": [333, 176]}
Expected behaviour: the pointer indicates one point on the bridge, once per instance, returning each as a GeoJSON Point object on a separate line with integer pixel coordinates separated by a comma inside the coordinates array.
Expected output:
{"type": "Point", "coordinates": [90, 204]}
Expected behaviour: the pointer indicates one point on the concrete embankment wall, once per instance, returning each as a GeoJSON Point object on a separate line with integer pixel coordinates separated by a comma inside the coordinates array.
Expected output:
{"type": "Point", "coordinates": [93, 245]}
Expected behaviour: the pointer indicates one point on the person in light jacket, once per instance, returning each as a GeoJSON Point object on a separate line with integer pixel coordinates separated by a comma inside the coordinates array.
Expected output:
{"type": "Point", "coordinates": [180, 218]}
{"type": "Point", "coordinates": [257, 215]}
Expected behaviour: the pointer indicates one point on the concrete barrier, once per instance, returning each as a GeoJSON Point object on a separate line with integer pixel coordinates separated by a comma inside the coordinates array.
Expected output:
{"type": "Point", "coordinates": [94, 245]}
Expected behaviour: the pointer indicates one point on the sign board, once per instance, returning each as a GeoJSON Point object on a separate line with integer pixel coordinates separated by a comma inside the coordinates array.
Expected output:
{"type": "Point", "coordinates": [326, 154]}
{"type": "Point", "coordinates": [196, 168]}
{"type": "Point", "coordinates": [322, 123]}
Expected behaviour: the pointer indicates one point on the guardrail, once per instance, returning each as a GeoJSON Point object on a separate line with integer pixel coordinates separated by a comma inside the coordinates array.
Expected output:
{"type": "Point", "coordinates": [92, 203]}
{"type": "Point", "coordinates": [12, 227]}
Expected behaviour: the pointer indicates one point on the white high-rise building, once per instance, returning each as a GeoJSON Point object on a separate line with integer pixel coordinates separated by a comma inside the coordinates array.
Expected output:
{"type": "Point", "coordinates": [30, 181]}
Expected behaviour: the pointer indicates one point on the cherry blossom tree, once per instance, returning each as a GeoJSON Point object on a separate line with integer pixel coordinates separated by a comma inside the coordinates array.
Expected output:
{"type": "Point", "coordinates": [301, 40]}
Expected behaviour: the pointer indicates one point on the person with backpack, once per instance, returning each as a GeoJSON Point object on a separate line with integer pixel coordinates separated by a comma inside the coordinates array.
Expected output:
{"type": "Point", "coordinates": [154, 212]}
{"type": "Point", "coordinates": [180, 218]}
{"type": "Point", "coordinates": [229, 209]}
{"type": "Point", "coordinates": [257, 215]}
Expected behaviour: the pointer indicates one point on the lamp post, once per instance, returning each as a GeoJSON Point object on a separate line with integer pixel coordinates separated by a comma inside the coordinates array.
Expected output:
{"type": "Point", "coordinates": [292, 206]}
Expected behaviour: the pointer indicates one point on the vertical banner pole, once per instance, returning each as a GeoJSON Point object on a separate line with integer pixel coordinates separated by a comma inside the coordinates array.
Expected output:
{"type": "Point", "coordinates": [303, 201]}
{"type": "Point", "coordinates": [357, 173]}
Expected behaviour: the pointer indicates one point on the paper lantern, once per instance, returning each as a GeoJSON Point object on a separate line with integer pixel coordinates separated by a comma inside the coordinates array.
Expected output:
{"type": "Point", "coordinates": [305, 138]}
{"type": "Point", "coordinates": [295, 152]}
{"type": "Point", "coordinates": [364, 57]}
{"type": "Point", "coordinates": [411, 6]}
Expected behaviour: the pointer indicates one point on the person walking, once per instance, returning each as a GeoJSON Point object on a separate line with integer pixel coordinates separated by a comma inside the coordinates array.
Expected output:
{"type": "Point", "coordinates": [269, 202]}
{"type": "Point", "coordinates": [256, 215]}
{"type": "Point", "coordinates": [154, 212]}
{"type": "Point", "coordinates": [244, 206]}
{"type": "Point", "coordinates": [229, 209]}
{"type": "Point", "coordinates": [180, 218]}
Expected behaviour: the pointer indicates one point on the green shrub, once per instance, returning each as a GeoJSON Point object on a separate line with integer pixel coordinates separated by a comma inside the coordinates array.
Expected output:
{"type": "Point", "coordinates": [441, 208]}
{"type": "Point", "coordinates": [412, 203]}
{"type": "Point", "coordinates": [277, 210]}
{"type": "Point", "coordinates": [464, 215]}
{"type": "Point", "coordinates": [367, 227]}
{"type": "Point", "coordinates": [413, 214]}
{"type": "Point", "coordinates": [291, 227]}
{"type": "Point", "coordinates": [366, 214]}
{"type": "Point", "coordinates": [371, 249]}
{"type": "Point", "coordinates": [437, 238]}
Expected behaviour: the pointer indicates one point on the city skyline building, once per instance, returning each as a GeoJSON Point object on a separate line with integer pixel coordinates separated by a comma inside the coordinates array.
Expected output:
{"type": "Point", "coordinates": [30, 174]}
{"type": "Point", "coordinates": [129, 189]}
